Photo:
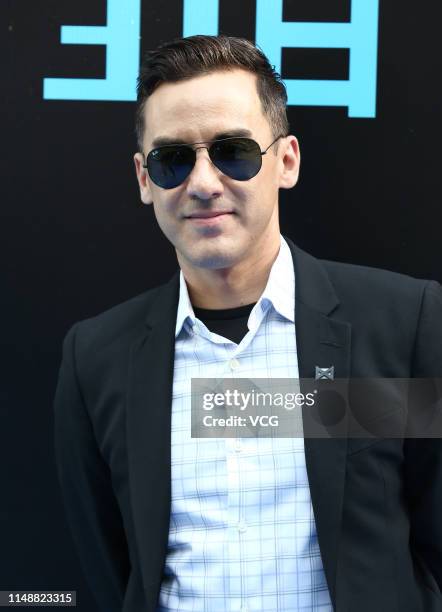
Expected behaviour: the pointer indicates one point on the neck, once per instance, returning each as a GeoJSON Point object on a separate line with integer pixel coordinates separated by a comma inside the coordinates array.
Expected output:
{"type": "Point", "coordinates": [231, 287]}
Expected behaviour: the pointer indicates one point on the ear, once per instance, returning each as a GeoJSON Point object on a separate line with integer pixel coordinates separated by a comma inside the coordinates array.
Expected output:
{"type": "Point", "coordinates": [291, 161]}
{"type": "Point", "coordinates": [143, 179]}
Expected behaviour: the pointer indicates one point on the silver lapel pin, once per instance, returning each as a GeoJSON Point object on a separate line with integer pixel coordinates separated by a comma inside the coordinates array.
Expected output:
{"type": "Point", "coordinates": [324, 373]}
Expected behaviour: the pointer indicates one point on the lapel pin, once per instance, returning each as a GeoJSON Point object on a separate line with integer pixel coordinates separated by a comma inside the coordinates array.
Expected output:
{"type": "Point", "coordinates": [324, 373]}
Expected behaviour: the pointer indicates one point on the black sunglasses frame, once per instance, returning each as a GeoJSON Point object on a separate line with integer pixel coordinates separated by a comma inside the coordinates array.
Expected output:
{"type": "Point", "coordinates": [209, 148]}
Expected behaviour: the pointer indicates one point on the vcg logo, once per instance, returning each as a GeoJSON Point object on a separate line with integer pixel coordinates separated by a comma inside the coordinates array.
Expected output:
{"type": "Point", "coordinates": [121, 36]}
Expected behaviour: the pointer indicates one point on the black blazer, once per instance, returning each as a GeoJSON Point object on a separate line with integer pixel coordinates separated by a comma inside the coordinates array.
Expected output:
{"type": "Point", "coordinates": [377, 502]}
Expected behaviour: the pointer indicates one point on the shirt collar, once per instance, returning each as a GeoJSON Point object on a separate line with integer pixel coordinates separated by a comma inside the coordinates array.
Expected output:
{"type": "Point", "coordinates": [279, 292]}
{"type": "Point", "coordinates": [185, 314]}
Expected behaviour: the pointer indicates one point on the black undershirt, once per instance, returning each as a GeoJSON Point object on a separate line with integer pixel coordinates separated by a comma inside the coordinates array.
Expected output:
{"type": "Point", "coordinates": [230, 323]}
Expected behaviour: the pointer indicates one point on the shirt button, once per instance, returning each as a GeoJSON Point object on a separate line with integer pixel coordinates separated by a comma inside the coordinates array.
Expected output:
{"type": "Point", "coordinates": [233, 364]}
{"type": "Point", "coordinates": [242, 527]}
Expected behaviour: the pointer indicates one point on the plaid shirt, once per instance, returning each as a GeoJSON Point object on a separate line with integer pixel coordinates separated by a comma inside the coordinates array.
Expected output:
{"type": "Point", "coordinates": [242, 534]}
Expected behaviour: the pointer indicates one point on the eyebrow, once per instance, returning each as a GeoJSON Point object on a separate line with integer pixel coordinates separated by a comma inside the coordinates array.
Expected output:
{"type": "Point", "coordinates": [161, 141]}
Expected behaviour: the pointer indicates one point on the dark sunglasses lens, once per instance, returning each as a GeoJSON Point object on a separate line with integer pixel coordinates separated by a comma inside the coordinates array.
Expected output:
{"type": "Point", "coordinates": [168, 167]}
{"type": "Point", "coordinates": [239, 158]}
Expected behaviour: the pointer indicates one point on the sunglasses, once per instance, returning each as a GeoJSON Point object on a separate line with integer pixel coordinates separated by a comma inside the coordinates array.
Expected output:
{"type": "Point", "coordinates": [237, 157]}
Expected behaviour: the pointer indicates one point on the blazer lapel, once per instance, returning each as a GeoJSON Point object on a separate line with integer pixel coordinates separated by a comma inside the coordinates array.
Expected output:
{"type": "Point", "coordinates": [322, 341]}
{"type": "Point", "coordinates": [149, 434]}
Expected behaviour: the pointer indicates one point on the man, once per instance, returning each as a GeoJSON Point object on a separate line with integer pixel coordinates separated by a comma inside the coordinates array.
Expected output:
{"type": "Point", "coordinates": [164, 521]}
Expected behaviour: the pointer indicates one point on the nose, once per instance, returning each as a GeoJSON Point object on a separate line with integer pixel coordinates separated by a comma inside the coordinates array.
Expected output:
{"type": "Point", "coordinates": [204, 180]}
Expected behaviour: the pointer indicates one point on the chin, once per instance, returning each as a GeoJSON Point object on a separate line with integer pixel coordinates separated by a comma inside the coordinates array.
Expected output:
{"type": "Point", "coordinates": [213, 259]}
{"type": "Point", "coordinates": [213, 262]}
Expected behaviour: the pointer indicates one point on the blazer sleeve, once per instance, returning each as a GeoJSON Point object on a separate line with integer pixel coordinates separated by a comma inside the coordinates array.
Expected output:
{"type": "Point", "coordinates": [423, 457]}
{"type": "Point", "coordinates": [91, 508]}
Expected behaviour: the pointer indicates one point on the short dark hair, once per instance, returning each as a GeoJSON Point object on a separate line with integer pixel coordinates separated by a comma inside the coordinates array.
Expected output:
{"type": "Point", "coordinates": [192, 56]}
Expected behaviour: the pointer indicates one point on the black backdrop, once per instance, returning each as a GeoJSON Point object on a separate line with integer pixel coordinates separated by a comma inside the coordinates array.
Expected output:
{"type": "Point", "coordinates": [75, 240]}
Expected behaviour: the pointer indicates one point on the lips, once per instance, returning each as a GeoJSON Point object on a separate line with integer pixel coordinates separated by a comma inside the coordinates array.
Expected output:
{"type": "Point", "coordinates": [208, 214]}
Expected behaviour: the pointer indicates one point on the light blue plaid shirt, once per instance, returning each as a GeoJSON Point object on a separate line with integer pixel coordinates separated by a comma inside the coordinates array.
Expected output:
{"type": "Point", "coordinates": [242, 534]}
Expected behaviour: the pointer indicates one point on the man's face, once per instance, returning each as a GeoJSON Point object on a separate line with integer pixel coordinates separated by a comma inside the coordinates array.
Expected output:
{"type": "Point", "coordinates": [199, 110]}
